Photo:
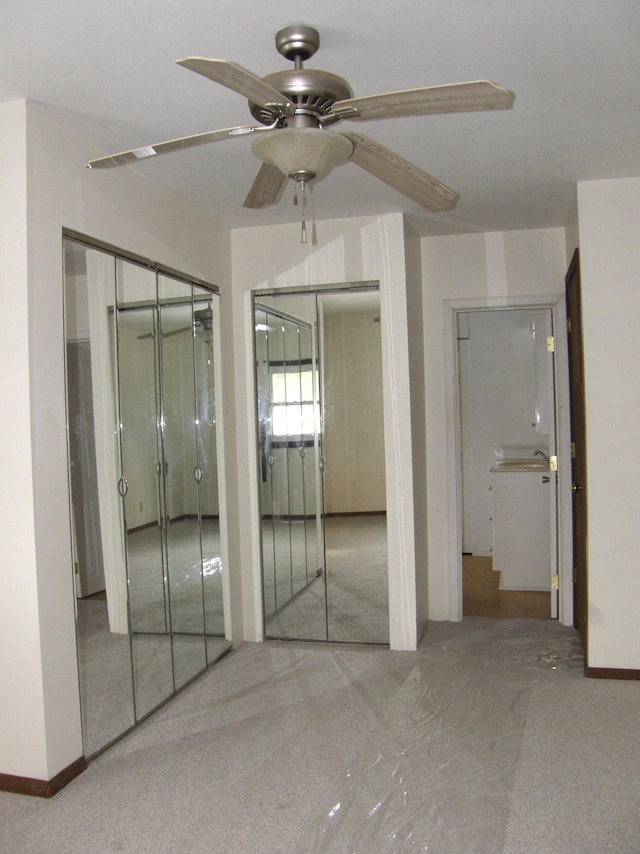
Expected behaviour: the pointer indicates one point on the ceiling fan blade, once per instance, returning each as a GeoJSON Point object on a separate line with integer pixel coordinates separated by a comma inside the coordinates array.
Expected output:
{"type": "Point", "coordinates": [400, 174]}
{"type": "Point", "coordinates": [240, 80]}
{"type": "Point", "coordinates": [173, 332]}
{"type": "Point", "coordinates": [172, 145]}
{"type": "Point", "coordinates": [267, 187]}
{"type": "Point", "coordinates": [165, 334]}
{"type": "Point", "coordinates": [454, 98]}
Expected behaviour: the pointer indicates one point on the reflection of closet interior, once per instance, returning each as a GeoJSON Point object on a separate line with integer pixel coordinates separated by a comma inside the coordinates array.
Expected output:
{"type": "Point", "coordinates": [289, 453]}
{"type": "Point", "coordinates": [143, 362]}
{"type": "Point", "coordinates": [321, 466]}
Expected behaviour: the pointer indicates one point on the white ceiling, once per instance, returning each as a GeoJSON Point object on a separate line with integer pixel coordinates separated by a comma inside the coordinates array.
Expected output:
{"type": "Point", "coordinates": [108, 71]}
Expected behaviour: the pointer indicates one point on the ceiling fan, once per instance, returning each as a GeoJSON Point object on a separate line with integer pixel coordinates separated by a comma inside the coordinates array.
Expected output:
{"type": "Point", "coordinates": [202, 321]}
{"type": "Point", "coordinates": [296, 106]}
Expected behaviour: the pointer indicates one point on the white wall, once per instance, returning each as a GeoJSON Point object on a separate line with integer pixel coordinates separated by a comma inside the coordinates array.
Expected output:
{"type": "Point", "coordinates": [609, 230]}
{"type": "Point", "coordinates": [353, 442]}
{"type": "Point", "coordinates": [415, 333]}
{"type": "Point", "coordinates": [470, 266]}
{"type": "Point", "coordinates": [365, 249]}
{"type": "Point", "coordinates": [572, 231]}
{"type": "Point", "coordinates": [22, 714]}
{"type": "Point", "coordinates": [46, 188]}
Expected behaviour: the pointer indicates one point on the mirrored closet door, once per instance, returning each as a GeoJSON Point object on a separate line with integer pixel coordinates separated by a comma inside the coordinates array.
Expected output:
{"type": "Point", "coordinates": [145, 473]}
{"type": "Point", "coordinates": [289, 454]}
{"type": "Point", "coordinates": [321, 465]}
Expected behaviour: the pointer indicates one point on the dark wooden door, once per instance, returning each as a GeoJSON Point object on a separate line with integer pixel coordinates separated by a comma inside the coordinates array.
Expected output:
{"type": "Point", "coordinates": [578, 438]}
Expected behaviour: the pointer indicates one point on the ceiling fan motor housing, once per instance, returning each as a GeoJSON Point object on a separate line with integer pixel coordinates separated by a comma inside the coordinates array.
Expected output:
{"type": "Point", "coordinates": [312, 91]}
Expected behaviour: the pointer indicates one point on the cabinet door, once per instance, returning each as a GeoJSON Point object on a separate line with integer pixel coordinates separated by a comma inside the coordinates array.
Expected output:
{"type": "Point", "coordinates": [522, 526]}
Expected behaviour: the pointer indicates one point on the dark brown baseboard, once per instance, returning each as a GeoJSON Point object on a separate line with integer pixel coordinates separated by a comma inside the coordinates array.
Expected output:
{"type": "Point", "coordinates": [300, 518]}
{"type": "Point", "coordinates": [611, 673]}
{"type": "Point", "coordinates": [135, 530]}
{"type": "Point", "coordinates": [154, 524]}
{"type": "Point", "coordinates": [357, 513]}
{"type": "Point", "coordinates": [42, 788]}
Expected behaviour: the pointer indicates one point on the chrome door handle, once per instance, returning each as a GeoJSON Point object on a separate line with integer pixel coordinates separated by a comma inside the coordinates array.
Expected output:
{"type": "Point", "coordinates": [576, 488]}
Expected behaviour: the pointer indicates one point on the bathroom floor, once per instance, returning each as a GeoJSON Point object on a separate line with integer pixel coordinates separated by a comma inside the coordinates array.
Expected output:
{"type": "Point", "coordinates": [481, 596]}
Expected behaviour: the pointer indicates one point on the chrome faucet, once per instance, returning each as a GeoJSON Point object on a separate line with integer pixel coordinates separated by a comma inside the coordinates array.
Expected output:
{"type": "Point", "coordinates": [541, 454]}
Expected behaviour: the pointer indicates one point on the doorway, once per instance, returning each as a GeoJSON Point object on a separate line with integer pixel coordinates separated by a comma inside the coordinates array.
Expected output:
{"type": "Point", "coordinates": [506, 475]}
{"type": "Point", "coordinates": [507, 429]}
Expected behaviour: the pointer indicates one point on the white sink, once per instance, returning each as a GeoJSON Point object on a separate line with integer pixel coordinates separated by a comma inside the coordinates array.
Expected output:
{"type": "Point", "coordinates": [536, 465]}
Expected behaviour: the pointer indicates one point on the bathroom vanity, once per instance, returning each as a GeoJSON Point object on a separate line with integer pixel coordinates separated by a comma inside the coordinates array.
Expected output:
{"type": "Point", "coordinates": [522, 523]}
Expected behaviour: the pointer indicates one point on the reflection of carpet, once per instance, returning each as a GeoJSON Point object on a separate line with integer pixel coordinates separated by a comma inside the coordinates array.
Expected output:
{"type": "Point", "coordinates": [108, 663]}
{"type": "Point", "coordinates": [104, 660]}
{"type": "Point", "coordinates": [151, 595]}
{"type": "Point", "coordinates": [151, 603]}
{"type": "Point", "coordinates": [155, 660]}
{"type": "Point", "coordinates": [92, 617]}
{"type": "Point", "coordinates": [350, 601]}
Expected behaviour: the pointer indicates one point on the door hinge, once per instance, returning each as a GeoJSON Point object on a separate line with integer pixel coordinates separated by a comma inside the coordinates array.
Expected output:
{"type": "Point", "coordinates": [569, 325]}
{"type": "Point", "coordinates": [555, 582]}
{"type": "Point", "coordinates": [573, 450]}
{"type": "Point", "coordinates": [553, 463]}
{"type": "Point", "coordinates": [575, 575]}
{"type": "Point", "coordinates": [551, 344]}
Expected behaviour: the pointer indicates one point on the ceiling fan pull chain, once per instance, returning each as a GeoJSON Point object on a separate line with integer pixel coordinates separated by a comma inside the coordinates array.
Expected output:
{"type": "Point", "coordinates": [303, 232]}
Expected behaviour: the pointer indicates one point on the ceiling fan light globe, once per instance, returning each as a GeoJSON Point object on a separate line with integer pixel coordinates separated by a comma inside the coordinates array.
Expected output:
{"type": "Point", "coordinates": [303, 150]}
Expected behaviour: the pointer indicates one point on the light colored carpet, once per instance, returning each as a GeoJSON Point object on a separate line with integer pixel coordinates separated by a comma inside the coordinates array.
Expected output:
{"type": "Point", "coordinates": [487, 739]}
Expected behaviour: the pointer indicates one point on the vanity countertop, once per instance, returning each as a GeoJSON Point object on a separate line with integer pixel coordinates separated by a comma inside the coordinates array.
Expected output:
{"type": "Point", "coordinates": [520, 465]}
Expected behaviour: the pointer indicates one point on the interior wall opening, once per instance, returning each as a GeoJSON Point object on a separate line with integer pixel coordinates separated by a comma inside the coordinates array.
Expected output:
{"type": "Point", "coordinates": [508, 437]}
{"type": "Point", "coordinates": [508, 523]}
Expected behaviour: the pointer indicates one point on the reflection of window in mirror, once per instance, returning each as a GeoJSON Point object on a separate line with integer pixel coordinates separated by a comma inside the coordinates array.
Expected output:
{"type": "Point", "coordinates": [292, 403]}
